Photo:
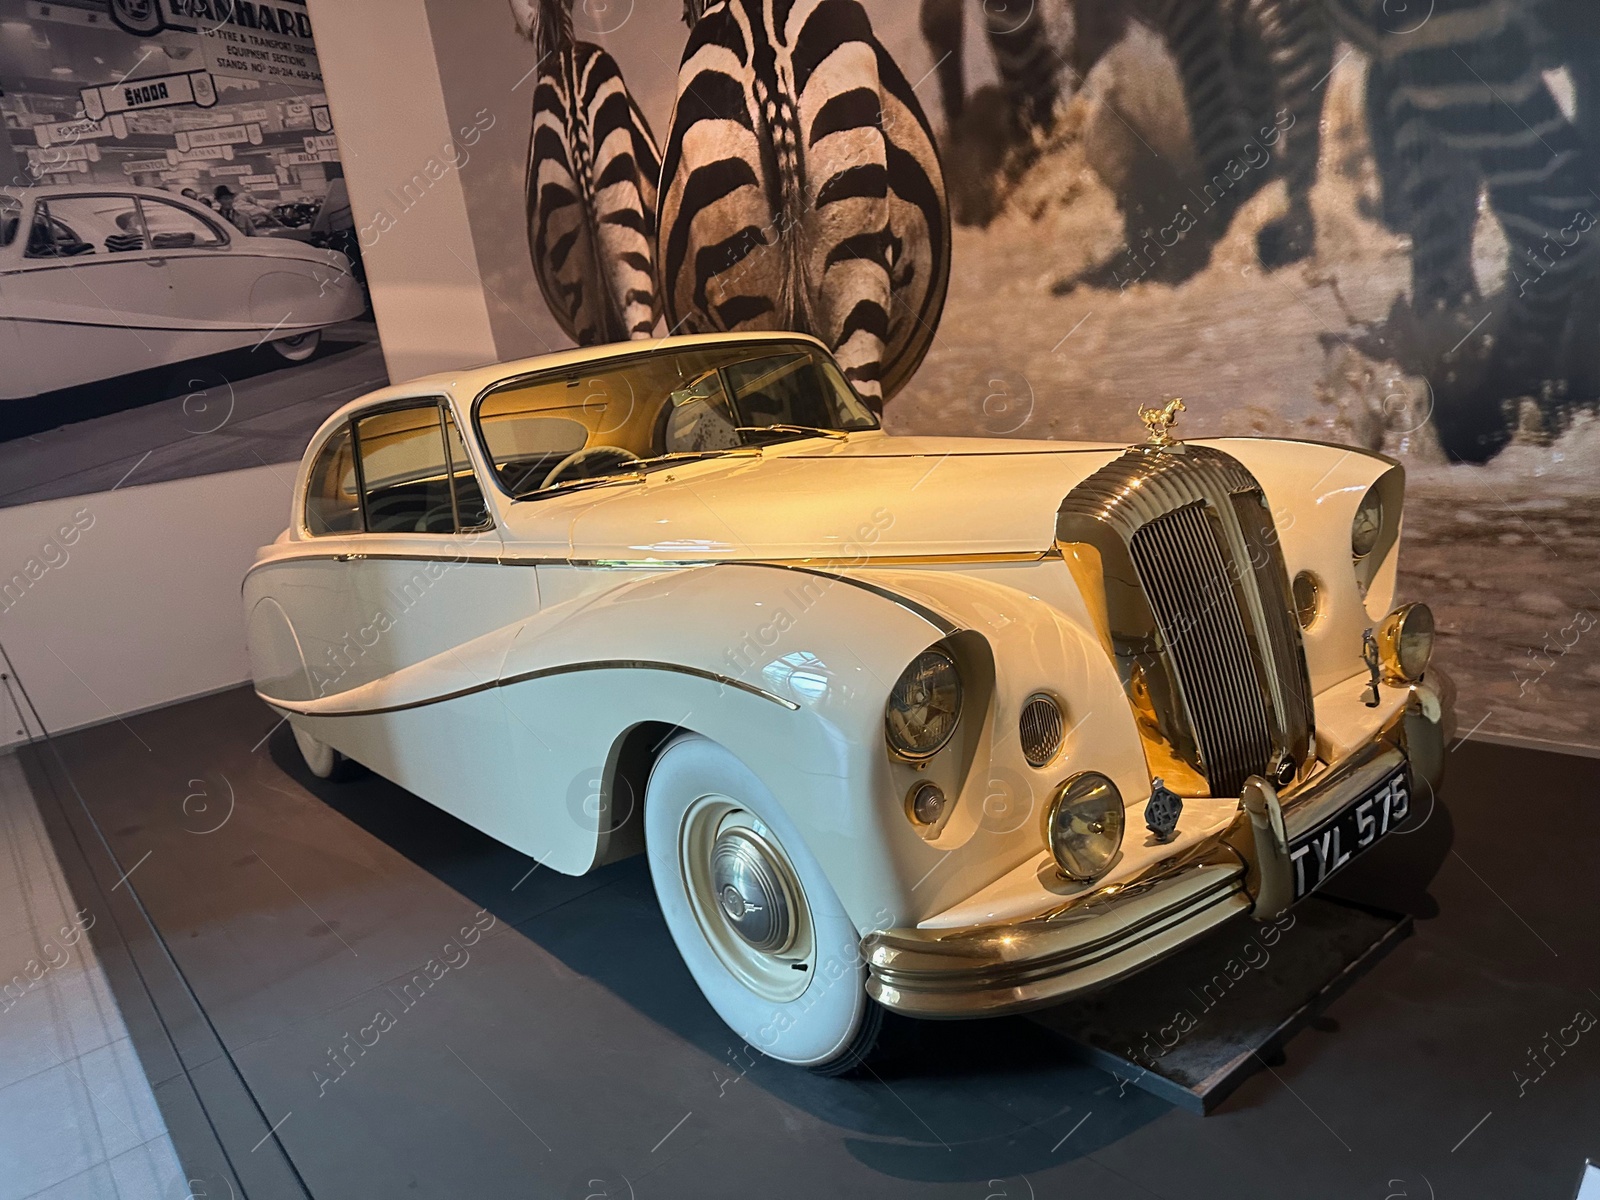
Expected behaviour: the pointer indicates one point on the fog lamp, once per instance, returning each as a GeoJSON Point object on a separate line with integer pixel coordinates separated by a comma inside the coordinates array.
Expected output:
{"type": "Point", "coordinates": [1084, 825]}
{"type": "Point", "coordinates": [1405, 643]}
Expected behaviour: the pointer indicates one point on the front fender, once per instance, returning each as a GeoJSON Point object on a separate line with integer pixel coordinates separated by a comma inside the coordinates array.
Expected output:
{"type": "Point", "coordinates": [787, 668]}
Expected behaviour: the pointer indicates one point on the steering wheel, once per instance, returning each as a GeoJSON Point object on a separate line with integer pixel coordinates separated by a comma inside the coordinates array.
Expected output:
{"type": "Point", "coordinates": [586, 457]}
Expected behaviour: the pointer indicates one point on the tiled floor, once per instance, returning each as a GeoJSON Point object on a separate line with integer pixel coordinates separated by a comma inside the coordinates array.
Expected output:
{"type": "Point", "coordinates": [77, 1118]}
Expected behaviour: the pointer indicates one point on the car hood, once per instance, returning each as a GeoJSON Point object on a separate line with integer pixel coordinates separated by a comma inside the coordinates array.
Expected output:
{"type": "Point", "coordinates": [873, 496]}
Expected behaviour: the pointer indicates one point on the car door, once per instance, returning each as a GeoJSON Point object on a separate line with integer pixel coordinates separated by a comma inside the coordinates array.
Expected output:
{"type": "Point", "coordinates": [93, 294]}
{"type": "Point", "coordinates": [428, 578]}
{"type": "Point", "coordinates": [208, 286]}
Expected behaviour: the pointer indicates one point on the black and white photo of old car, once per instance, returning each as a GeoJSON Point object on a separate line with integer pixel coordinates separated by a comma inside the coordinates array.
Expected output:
{"type": "Point", "coordinates": [97, 282]}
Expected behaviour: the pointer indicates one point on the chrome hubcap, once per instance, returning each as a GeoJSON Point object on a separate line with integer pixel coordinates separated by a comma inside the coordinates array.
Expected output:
{"type": "Point", "coordinates": [747, 898]}
{"type": "Point", "coordinates": [752, 890]}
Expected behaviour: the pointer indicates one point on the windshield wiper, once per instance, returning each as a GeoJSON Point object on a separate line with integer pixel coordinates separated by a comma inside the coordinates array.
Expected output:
{"type": "Point", "coordinates": [690, 455]}
{"type": "Point", "coordinates": [636, 470]}
{"type": "Point", "coordinates": [802, 430]}
{"type": "Point", "coordinates": [572, 485]}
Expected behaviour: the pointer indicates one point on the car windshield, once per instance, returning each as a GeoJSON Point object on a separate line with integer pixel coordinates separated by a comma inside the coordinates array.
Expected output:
{"type": "Point", "coordinates": [613, 420]}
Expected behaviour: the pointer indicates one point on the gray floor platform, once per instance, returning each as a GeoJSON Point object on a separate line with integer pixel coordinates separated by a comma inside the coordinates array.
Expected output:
{"type": "Point", "coordinates": [1196, 1025]}
{"type": "Point", "coordinates": [261, 921]}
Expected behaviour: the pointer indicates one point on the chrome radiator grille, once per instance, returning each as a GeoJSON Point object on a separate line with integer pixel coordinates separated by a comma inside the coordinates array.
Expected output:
{"type": "Point", "coordinates": [1180, 546]}
{"type": "Point", "coordinates": [1185, 574]}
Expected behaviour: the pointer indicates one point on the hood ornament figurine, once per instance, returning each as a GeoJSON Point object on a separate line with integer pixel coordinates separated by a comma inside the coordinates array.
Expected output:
{"type": "Point", "coordinates": [1159, 421]}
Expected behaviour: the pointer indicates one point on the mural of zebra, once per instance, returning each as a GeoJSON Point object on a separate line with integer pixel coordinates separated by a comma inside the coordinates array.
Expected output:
{"type": "Point", "coordinates": [1250, 71]}
{"type": "Point", "coordinates": [1459, 102]}
{"type": "Point", "coordinates": [593, 169]}
{"type": "Point", "coordinates": [1028, 65]}
{"type": "Point", "coordinates": [1285, 59]}
{"type": "Point", "coordinates": [801, 188]}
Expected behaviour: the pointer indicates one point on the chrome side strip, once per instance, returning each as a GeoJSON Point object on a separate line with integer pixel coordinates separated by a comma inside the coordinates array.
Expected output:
{"type": "Point", "coordinates": [937, 620]}
{"type": "Point", "coordinates": [613, 664]}
{"type": "Point", "coordinates": [813, 565]}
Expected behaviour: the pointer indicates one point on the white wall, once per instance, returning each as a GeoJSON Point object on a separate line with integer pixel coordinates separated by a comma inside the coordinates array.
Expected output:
{"type": "Point", "coordinates": [399, 149]}
{"type": "Point", "coordinates": [125, 600]}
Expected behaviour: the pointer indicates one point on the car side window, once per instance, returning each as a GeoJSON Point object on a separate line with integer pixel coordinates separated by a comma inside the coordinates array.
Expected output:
{"type": "Point", "coordinates": [333, 500]}
{"type": "Point", "coordinates": [174, 228]}
{"type": "Point", "coordinates": [405, 479]}
{"type": "Point", "coordinates": [67, 226]}
{"type": "Point", "coordinates": [415, 474]}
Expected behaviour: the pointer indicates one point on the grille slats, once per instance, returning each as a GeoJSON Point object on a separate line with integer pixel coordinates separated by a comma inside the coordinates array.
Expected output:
{"type": "Point", "coordinates": [1277, 610]}
{"type": "Point", "coordinates": [1186, 577]}
{"type": "Point", "coordinates": [1198, 612]}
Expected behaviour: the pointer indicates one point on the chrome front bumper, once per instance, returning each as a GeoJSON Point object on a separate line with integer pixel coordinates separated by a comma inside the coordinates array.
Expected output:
{"type": "Point", "coordinates": [987, 970]}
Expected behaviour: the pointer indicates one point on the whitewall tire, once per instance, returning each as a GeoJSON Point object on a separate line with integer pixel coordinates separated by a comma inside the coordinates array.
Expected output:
{"type": "Point", "coordinates": [322, 760]}
{"type": "Point", "coordinates": [755, 919]}
{"type": "Point", "coordinates": [299, 347]}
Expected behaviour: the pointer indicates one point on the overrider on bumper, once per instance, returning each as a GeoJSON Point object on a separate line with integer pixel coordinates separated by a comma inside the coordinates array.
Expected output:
{"type": "Point", "coordinates": [986, 970]}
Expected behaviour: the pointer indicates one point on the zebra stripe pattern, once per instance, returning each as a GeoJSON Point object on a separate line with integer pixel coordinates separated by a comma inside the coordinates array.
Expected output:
{"type": "Point", "coordinates": [1296, 48]}
{"type": "Point", "coordinates": [801, 189]}
{"type": "Point", "coordinates": [1248, 69]}
{"type": "Point", "coordinates": [1459, 100]}
{"type": "Point", "coordinates": [592, 179]}
{"type": "Point", "coordinates": [1026, 62]}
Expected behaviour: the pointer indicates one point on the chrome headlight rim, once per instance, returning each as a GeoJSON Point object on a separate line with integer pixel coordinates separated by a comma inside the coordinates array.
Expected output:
{"type": "Point", "coordinates": [1089, 794]}
{"type": "Point", "coordinates": [1366, 525]}
{"type": "Point", "coordinates": [1405, 643]}
{"type": "Point", "coordinates": [921, 753]}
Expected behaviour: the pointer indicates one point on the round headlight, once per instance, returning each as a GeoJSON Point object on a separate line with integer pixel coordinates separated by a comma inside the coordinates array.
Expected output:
{"type": "Point", "coordinates": [1405, 643]}
{"type": "Point", "coordinates": [1367, 526]}
{"type": "Point", "coordinates": [1084, 824]}
{"type": "Point", "coordinates": [924, 706]}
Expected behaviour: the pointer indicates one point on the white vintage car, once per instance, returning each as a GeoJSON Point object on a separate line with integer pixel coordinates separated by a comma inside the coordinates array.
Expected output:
{"type": "Point", "coordinates": [97, 281]}
{"type": "Point", "coordinates": [947, 726]}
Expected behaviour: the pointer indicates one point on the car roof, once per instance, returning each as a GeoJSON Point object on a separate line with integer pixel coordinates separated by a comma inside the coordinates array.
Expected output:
{"type": "Point", "coordinates": [468, 382]}
{"type": "Point", "coordinates": [100, 189]}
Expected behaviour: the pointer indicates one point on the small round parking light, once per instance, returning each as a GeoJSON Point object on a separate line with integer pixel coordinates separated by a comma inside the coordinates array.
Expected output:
{"type": "Point", "coordinates": [926, 803]}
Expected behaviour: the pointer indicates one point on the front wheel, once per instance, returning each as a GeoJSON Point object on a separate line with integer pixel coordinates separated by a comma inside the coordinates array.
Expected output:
{"type": "Point", "coordinates": [299, 347]}
{"type": "Point", "coordinates": [752, 914]}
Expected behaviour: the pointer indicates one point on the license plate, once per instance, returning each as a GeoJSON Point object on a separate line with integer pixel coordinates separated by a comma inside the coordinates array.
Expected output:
{"type": "Point", "coordinates": [1317, 854]}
